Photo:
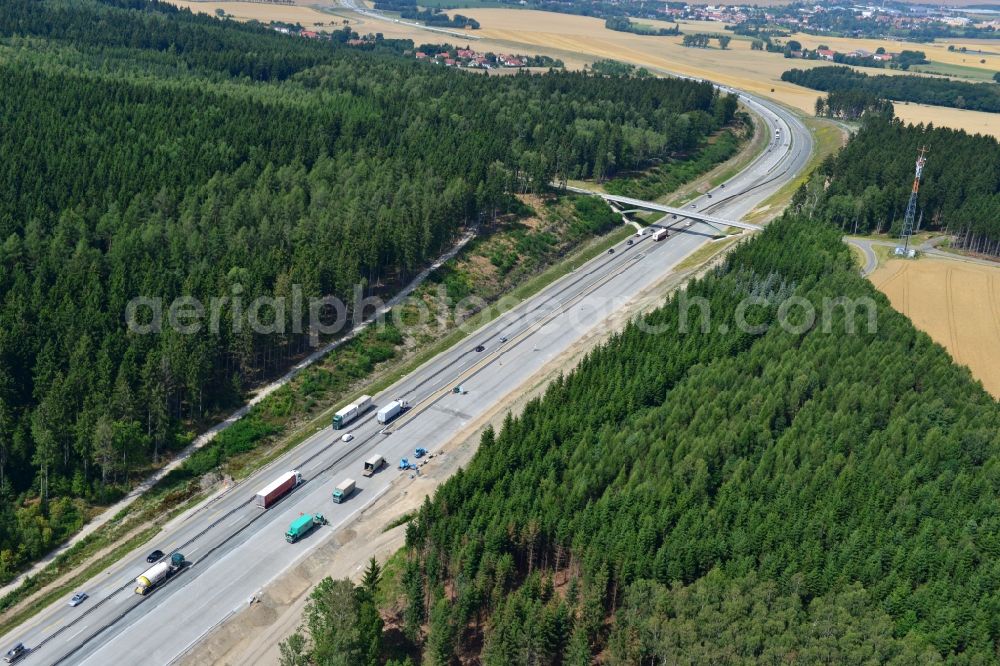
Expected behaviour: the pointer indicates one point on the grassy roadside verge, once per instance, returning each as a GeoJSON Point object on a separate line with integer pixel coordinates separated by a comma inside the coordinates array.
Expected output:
{"type": "Point", "coordinates": [174, 495]}
{"type": "Point", "coordinates": [828, 138]}
{"type": "Point", "coordinates": [750, 151]}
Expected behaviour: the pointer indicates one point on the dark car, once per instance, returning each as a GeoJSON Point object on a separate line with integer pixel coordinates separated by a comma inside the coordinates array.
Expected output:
{"type": "Point", "coordinates": [15, 653]}
{"type": "Point", "coordinates": [723, 185]}
{"type": "Point", "coordinates": [611, 251]}
{"type": "Point", "coordinates": [630, 241]}
{"type": "Point", "coordinates": [155, 556]}
{"type": "Point", "coordinates": [480, 348]}
{"type": "Point", "coordinates": [709, 196]}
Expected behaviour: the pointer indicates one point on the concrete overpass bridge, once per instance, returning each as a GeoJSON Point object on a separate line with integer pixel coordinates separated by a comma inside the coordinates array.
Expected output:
{"type": "Point", "coordinates": [719, 223]}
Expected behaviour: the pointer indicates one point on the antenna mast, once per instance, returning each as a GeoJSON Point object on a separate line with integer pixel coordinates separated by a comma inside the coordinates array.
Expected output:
{"type": "Point", "coordinates": [911, 207]}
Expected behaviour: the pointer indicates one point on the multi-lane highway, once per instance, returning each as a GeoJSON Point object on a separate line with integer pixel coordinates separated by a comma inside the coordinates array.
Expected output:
{"type": "Point", "coordinates": [235, 548]}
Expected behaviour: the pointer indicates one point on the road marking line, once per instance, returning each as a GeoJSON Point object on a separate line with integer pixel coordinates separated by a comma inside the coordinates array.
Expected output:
{"type": "Point", "coordinates": [82, 629]}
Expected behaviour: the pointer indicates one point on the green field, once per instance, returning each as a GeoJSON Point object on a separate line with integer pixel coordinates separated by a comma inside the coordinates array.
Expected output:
{"type": "Point", "coordinates": [958, 71]}
{"type": "Point", "coordinates": [464, 4]}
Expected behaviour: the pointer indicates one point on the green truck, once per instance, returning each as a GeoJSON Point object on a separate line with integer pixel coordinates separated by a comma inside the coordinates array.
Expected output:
{"type": "Point", "coordinates": [302, 525]}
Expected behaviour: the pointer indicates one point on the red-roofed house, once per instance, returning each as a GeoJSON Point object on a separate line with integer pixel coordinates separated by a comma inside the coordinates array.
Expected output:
{"type": "Point", "coordinates": [825, 54]}
{"type": "Point", "coordinates": [309, 34]}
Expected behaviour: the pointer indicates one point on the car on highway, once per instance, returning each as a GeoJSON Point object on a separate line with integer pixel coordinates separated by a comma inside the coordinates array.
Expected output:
{"type": "Point", "coordinates": [479, 348]}
{"type": "Point", "coordinates": [630, 241]}
{"type": "Point", "coordinates": [611, 250]}
{"type": "Point", "coordinates": [722, 185]}
{"type": "Point", "coordinates": [710, 196]}
{"type": "Point", "coordinates": [78, 599]}
{"type": "Point", "coordinates": [347, 437]}
{"type": "Point", "coordinates": [155, 556]}
{"type": "Point", "coordinates": [692, 205]}
{"type": "Point", "coordinates": [15, 653]}
{"type": "Point", "coordinates": [503, 339]}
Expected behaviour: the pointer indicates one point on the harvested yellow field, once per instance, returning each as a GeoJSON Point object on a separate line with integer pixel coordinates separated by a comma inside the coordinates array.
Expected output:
{"type": "Point", "coordinates": [756, 71]}
{"type": "Point", "coordinates": [579, 40]}
{"type": "Point", "coordinates": [971, 121]}
{"type": "Point", "coordinates": [956, 303]}
{"type": "Point", "coordinates": [265, 12]}
{"type": "Point", "coordinates": [936, 51]}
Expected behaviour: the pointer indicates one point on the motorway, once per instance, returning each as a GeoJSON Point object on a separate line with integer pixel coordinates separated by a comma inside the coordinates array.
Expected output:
{"type": "Point", "coordinates": [235, 549]}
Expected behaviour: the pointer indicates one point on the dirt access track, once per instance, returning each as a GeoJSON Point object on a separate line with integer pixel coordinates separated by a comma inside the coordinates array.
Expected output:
{"type": "Point", "coordinates": [957, 303]}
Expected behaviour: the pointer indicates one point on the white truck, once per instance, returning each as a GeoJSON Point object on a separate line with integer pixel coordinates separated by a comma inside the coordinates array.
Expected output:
{"type": "Point", "coordinates": [660, 235]}
{"type": "Point", "coordinates": [343, 490]}
{"type": "Point", "coordinates": [374, 464]}
{"type": "Point", "coordinates": [351, 412]}
{"type": "Point", "coordinates": [158, 573]}
{"type": "Point", "coordinates": [391, 411]}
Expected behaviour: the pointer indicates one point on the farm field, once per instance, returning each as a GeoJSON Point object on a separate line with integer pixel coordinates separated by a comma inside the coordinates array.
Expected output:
{"type": "Point", "coordinates": [265, 12]}
{"type": "Point", "coordinates": [580, 40]}
{"type": "Point", "coordinates": [956, 303]}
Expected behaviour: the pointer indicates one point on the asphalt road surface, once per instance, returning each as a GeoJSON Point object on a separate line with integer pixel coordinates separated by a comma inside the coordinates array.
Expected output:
{"type": "Point", "coordinates": [235, 548]}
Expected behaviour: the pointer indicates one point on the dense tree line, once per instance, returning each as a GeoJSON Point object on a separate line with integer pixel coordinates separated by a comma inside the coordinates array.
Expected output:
{"type": "Point", "coordinates": [700, 40]}
{"type": "Point", "coordinates": [866, 186]}
{"type": "Point", "coordinates": [903, 88]}
{"type": "Point", "coordinates": [624, 24]}
{"type": "Point", "coordinates": [432, 16]}
{"type": "Point", "coordinates": [341, 624]}
{"type": "Point", "coordinates": [150, 152]}
{"type": "Point", "coordinates": [852, 105]}
{"type": "Point", "coordinates": [805, 493]}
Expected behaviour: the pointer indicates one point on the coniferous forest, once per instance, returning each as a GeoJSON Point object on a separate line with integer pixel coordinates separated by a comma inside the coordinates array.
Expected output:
{"type": "Point", "coordinates": [151, 152]}
{"type": "Point", "coordinates": [866, 186]}
{"type": "Point", "coordinates": [904, 88]}
{"type": "Point", "coordinates": [803, 494]}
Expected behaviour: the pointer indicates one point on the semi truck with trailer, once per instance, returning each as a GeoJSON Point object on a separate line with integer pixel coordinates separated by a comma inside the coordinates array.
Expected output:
{"type": "Point", "coordinates": [660, 235]}
{"type": "Point", "coordinates": [159, 573]}
{"type": "Point", "coordinates": [302, 525]}
{"type": "Point", "coordinates": [343, 490]}
{"type": "Point", "coordinates": [351, 412]}
{"type": "Point", "coordinates": [277, 489]}
{"type": "Point", "coordinates": [391, 411]}
{"type": "Point", "coordinates": [374, 464]}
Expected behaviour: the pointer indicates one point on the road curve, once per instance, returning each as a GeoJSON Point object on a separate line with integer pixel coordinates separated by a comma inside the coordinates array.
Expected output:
{"type": "Point", "coordinates": [236, 549]}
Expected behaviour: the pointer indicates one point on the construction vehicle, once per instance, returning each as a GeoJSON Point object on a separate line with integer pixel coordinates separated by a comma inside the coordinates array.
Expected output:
{"type": "Point", "coordinates": [343, 491]}
{"type": "Point", "coordinates": [660, 235]}
{"type": "Point", "coordinates": [373, 464]}
{"type": "Point", "coordinates": [391, 411]}
{"type": "Point", "coordinates": [159, 573]}
{"type": "Point", "coordinates": [277, 489]}
{"type": "Point", "coordinates": [420, 453]}
{"type": "Point", "coordinates": [302, 525]}
{"type": "Point", "coordinates": [351, 412]}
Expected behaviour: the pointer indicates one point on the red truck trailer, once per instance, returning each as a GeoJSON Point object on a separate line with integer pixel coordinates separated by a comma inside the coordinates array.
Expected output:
{"type": "Point", "coordinates": [277, 489]}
